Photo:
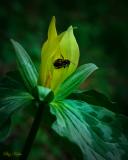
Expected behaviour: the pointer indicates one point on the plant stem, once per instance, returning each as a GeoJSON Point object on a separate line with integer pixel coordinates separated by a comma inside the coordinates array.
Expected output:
{"type": "Point", "coordinates": [33, 131]}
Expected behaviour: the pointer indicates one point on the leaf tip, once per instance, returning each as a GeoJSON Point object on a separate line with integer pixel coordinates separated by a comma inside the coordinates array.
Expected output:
{"type": "Point", "coordinates": [12, 40]}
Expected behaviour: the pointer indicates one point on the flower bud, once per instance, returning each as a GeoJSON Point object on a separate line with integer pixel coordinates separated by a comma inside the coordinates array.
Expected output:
{"type": "Point", "coordinates": [59, 57]}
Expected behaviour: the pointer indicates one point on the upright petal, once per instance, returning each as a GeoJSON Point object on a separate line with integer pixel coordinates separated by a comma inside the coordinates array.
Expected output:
{"type": "Point", "coordinates": [69, 49]}
{"type": "Point", "coordinates": [47, 50]}
{"type": "Point", "coordinates": [52, 33]}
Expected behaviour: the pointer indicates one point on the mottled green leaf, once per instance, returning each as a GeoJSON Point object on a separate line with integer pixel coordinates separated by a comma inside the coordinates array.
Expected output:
{"type": "Point", "coordinates": [93, 97]}
{"type": "Point", "coordinates": [74, 80]}
{"type": "Point", "coordinates": [12, 103]}
{"type": "Point", "coordinates": [13, 96]}
{"type": "Point", "coordinates": [100, 133]}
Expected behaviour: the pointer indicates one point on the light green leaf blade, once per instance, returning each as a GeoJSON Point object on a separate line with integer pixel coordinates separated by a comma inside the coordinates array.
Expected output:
{"type": "Point", "coordinates": [100, 133]}
{"type": "Point", "coordinates": [26, 66]}
{"type": "Point", "coordinates": [74, 81]}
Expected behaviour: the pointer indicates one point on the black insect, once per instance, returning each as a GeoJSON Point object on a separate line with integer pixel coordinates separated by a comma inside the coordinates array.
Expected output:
{"type": "Point", "coordinates": [61, 63]}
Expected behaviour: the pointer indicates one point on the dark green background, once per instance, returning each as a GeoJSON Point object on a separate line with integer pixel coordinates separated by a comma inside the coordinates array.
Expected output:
{"type": "Point", "coordinates": [102, 35]}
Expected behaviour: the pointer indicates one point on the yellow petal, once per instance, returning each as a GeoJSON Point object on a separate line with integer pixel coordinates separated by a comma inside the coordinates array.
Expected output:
{"type": "Point", "coordinates": [57, 74]}
{"type": "Point", "coordinates": [69, 49]}
{"type": "Point", "coordinates": [50, 45]}
{"type": "Point", "coordinates": [52, 33]}
{"type": "Point", "coordinates": [47, 50]}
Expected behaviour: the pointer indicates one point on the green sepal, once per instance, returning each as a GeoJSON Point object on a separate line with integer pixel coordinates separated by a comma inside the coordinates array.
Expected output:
{"type": "Point", "coordinates": [93, 97]}
{"type": "Point", "coordinates": [74, 81]}
{"type": "Point", "coordinates": [26, 66]}
{"type": "Point", "coordinates": [45, 94]}
{"type": "Point", "coordinates": [100, 133]}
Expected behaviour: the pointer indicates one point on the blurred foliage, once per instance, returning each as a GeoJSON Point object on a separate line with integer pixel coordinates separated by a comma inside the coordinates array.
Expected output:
{"type": "Point", "coordinates": [102, 35]}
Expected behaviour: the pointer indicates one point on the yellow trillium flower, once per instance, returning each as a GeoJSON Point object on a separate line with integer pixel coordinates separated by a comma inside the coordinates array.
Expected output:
{"type": "Point", "coordinates": [59, 57]}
